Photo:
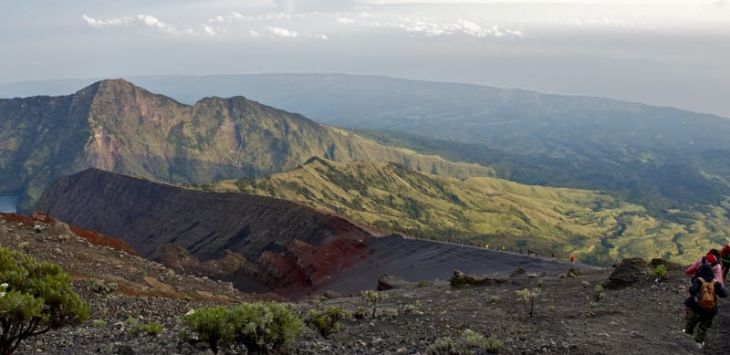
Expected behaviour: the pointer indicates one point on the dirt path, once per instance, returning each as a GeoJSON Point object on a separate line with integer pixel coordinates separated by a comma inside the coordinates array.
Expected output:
{"type": "Point", "coordinates": [718, 341]}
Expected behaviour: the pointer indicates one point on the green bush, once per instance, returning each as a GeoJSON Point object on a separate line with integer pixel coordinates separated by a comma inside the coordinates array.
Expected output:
{"type": "Point", "coordinates": [212, 326]}
{"type": "Point", "coordinates": [327, 321]}
{"type": "Point", "coordinates": [35, 297]}
{"type": "Point", "coordinates": [473, 339]}
{"type": "Point", "coordinates": [490, 344]}
{"type": "Point", "coordinates": [371, 299]}
{"type": "Point", "coordinates": [528, 296]}
{"type": "Point", "coordinates": [146, 328]}
{"type": "Point", "coordinates": [260, 327]}
{"type": "Point", "coordinates": [493, 344]}
{"type": "Point", "coordinates": [598, 293]}
{"type": "Point", "coordinates": [447, 346]}
{"type": "Point", "coordinates": [661, 272]}
{"type": "Point", "coordinates": [360, 313]}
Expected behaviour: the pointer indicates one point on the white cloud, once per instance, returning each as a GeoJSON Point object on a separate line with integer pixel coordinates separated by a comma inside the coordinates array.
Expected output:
{"type": "Point", "coordinates": [254, 34]}
{"type": "Point", "coordinates": [282, 32]}
{"type": "Point", "coordinates": [210, 31]}
{"type": "Point", "coordinates": [93, 22]}
{"type": "Point", "coordinates": [345, 20]}
{"type": "Point", "coordinates": [433, 27]}
{"type": "Point", "coordinates": [228, 18]}
{"type": "Point", "coordinates": [287, 33]}
{"type": "Point", "coordinates": [317, 36]}
{"type": "Point", "coordinates": [154, 22]}
{"type": "Point", "coordinates": [139, 20]}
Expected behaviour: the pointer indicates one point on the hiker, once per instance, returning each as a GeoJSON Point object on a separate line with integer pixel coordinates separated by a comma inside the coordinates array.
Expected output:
{"type": "Point", "coordinates": [725, 260]}
{"type": "Point", "coordinates": [712, 258]}
{"type": "Point", "coordinates": [572, 259]}
{"type": "Point", "coordinates": [702, 303]}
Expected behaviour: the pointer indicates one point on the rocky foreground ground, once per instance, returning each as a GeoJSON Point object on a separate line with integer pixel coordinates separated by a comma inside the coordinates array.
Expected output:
{"type": "Point", "coordinates": [571, 316]}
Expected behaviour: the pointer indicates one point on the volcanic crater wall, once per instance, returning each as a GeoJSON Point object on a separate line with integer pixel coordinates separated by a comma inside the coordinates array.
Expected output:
{"type": "Point", "coordinates": [290, 246]}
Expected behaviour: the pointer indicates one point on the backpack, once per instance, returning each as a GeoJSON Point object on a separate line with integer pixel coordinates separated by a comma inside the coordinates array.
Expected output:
{"type": "Point", "coordinates": [706, 297]}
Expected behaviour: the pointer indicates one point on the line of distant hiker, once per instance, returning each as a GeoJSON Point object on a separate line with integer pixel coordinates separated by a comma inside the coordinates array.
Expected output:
{"type": "Point", "coordinates": [708, 274]}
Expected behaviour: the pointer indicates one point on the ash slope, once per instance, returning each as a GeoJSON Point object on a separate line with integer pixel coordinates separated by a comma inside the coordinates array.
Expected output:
{"type": "Point", "coordinates": [259, 243]}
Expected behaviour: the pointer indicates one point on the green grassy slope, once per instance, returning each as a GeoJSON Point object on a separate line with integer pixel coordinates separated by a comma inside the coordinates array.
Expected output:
{"type": "Point", "coordinates": [482, 210]}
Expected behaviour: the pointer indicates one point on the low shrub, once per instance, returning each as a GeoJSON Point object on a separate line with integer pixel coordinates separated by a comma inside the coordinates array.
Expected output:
{"type": "Point", "coordinates": [147, 329]}
{"type": "Point", "coordinates": [35, 297]}
{"type": "Point", "coordinates": [360, 313]}
{"type": "Point", "coordinates": [472, 339]}
{"type": "Point", "coordinates": [328, 321]}
{"type": "Point", "coordinates": [598, 293]}
{"type": "Point", "coordinates": [260, 326]}
{"type": "Point", "coordinates": [528, 296]}
{"type": "Point", "coordinates": [371, 299]}
{"type": "Point", "coordinates": [493, 344]}
{"type": "Point", "coordinates": [447, 346]}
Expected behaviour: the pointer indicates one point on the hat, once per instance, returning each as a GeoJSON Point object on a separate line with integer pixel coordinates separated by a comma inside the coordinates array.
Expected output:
{"type": "Point", "coordinates": [725, 250]}
{"type": "Point", "coordinates": [711, 259]}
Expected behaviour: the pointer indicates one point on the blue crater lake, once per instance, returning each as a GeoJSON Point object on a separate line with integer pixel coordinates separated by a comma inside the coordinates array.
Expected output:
{"type": "Point", "coordinates": [8, 204]}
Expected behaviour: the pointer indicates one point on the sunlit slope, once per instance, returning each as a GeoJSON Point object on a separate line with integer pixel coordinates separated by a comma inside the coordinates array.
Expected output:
{"type": "Point", "coordinates": [482, 210]}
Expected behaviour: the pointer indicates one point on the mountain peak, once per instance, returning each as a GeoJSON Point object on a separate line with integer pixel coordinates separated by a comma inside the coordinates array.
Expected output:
{"type": "Point", "coordinates": [116, 85]}
{"type": "Point", "coordinates": [111, 86]}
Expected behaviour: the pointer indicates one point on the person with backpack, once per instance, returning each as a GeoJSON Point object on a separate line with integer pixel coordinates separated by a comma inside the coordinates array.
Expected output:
{"type": "Point", "coordinates": [712, 258]}
{"type": "Point", "coordinates": [725, 260]}
{"type": "Point", "coordinates": [702, 303]}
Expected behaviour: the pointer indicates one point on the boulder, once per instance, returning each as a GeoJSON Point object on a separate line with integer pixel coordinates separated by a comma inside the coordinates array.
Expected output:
{"type": "Point", "coordinates": [460, 279]}
{"type": "Point", "coordinates": [330, 295]}
{"type": "Point", "coordinates": [668, 264]}
{"type": "Point", "coordinates": [389, 282]}
{"type": "Point", "coordinates": [627, 273]}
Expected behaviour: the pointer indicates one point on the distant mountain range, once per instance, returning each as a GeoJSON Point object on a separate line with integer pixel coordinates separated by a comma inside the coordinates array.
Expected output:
{"type": "Point", "coordinates": [482, 211]}
{"type": "Point", "coordinates": [658, 156]}
{"type": "Point", "coordinates": [117, 126]}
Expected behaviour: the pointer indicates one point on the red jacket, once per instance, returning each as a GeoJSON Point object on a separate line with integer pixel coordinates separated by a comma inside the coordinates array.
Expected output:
{"type": "Point", "coordinates": [716, 270]}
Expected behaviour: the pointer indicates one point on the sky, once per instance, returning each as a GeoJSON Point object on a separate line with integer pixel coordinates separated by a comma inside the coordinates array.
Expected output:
{"type": "Point", "coordinates": [668, 52]}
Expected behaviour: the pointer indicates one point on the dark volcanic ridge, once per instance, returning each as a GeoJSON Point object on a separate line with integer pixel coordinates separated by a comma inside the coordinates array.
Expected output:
{"type": "Point", "coordinates": [260, 244]}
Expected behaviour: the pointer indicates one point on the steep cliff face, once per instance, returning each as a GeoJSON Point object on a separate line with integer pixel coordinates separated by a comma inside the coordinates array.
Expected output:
{"type": "Point", "coordinates": [116, 126]}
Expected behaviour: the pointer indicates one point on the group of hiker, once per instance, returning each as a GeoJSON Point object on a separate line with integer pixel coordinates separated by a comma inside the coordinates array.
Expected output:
{"type": "Point", "coordinates": [708, 274]}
